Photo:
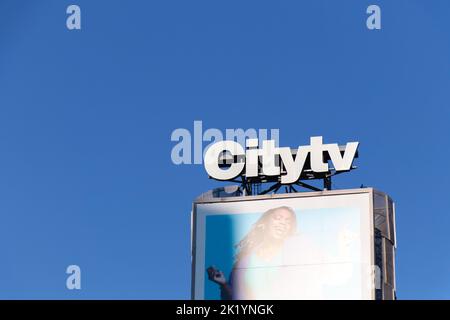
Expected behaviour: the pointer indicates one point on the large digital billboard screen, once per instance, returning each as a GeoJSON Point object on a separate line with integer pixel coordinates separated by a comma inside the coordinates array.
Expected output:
{"type": "Point", "coordinates": [292, 246]}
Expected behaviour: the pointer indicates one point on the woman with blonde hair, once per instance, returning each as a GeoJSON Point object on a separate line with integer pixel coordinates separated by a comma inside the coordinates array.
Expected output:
{"type": "Point", "coordinates": [253, 273]}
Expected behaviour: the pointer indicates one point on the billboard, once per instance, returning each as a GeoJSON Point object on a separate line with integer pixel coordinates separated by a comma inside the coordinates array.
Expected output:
{"type": "Point", "coordinates": [312, 245]}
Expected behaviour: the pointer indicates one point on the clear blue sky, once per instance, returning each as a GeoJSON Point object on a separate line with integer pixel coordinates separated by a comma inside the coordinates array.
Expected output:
{"type": "Point", "coordinates": [86, 176]}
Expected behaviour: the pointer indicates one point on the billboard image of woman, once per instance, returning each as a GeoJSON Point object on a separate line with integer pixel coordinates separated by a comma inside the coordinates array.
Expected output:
{"type": "Point", "coordinates": [298, 248]}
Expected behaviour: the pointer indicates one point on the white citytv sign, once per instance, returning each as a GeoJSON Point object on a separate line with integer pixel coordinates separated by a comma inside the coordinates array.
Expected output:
{"type": "Point", "coordinates": [274, 158]}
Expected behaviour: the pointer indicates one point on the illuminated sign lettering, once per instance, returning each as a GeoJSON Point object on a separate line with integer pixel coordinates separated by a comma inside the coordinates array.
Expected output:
{"type": "Point", "coordinates": [272, 161]}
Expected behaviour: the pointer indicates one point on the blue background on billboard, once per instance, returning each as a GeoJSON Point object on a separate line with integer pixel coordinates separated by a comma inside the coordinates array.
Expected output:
{"type": "Point", "coordinates": [86, 116]}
